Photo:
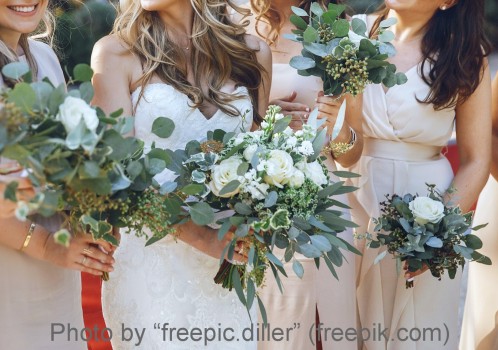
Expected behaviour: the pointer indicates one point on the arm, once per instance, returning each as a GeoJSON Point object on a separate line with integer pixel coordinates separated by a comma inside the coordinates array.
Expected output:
{"type": "Point", "coordinates": [263, 55]}
{"type": "Point", "coordinates": [494, 161]}
{"type": "Point", "coordinates": [473, 130]}
{"type": "Point", "coordinates": [328, 107]}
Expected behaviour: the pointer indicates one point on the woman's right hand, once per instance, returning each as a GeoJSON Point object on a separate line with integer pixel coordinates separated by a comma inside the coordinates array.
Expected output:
{"type": "Point", "coordinates": [298, 111]}
{"type": "Point", "coordinates": [83, 254]}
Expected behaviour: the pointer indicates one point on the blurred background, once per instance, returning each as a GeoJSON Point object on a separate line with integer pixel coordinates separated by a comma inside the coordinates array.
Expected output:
{"type": "Point", "coordinates": [81, 23]}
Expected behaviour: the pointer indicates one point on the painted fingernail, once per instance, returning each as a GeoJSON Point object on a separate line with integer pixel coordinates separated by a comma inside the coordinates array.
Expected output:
{"type": "Point", "coordinates": [307, 109]}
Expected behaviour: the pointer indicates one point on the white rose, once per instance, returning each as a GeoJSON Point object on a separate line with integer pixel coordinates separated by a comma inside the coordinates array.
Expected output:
{"type": "Point", "coordinates": [279, 168]}
{"type": "Point", "coordinates": [249, 152]}
{"type": "Point", "coordinates": [222, 174]}
{"type": "Point", "coordinates": [297, 179]}
{"type": "Point", "coordinates": [425, 209]}
{"type": "Point", "coordinates": [73, 111]}
{"type": "Point", "coordinates": [355, 38]}
{"type": "Point", "coordinates": [314, 172]}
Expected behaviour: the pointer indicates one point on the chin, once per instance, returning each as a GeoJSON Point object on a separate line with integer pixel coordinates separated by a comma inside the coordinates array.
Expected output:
{"type": "Point", "coordinates": [399, 4]}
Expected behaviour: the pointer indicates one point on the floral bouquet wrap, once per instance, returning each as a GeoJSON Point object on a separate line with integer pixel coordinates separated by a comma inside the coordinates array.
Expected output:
{"type": "Point", "coordinates": [270, 188]}
{"type": "Point", "coordinates": [422, 231]}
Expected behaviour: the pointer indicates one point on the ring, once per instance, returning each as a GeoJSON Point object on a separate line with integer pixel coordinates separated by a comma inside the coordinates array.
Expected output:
{"type": "Point", "coordinates": [87, 251]}
{"type": "Point", "coordinates": [83, 261]}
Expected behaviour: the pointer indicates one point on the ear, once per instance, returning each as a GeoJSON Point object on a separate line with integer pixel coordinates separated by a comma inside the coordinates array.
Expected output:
{"type": "Point", "coordinates": [448, 4]}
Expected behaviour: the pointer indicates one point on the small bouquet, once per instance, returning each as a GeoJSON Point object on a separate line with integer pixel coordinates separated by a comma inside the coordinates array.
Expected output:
{"type": "Point", "coordinates": [78, 159]}
{"type": "Point", "coordinates": [340, 52]}
{"type": "Point", "coordinates": [423, 231]}
{"type": "Point", "coordinates": [277, 192]}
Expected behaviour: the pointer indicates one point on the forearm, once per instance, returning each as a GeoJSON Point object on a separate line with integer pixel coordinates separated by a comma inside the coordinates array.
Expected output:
{"type": "Point", "coordinates": [353, 155]}
{"type": "Point", "coordinates": [494, 159]}
{"type": "Point", "coordinates": [467, 184]}
{"type": "Point", "coordinates": [14, 233]}
{"type": "Point", "coordinates": [200, 237]}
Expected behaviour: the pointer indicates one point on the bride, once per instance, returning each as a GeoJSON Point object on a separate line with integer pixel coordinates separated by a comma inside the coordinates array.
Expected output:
{"type": "Point", "coordinates": [184, 60]}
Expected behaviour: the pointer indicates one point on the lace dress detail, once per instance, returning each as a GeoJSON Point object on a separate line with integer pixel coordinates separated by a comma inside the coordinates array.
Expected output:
{"type": "Point", "coordinates": [171, 282]}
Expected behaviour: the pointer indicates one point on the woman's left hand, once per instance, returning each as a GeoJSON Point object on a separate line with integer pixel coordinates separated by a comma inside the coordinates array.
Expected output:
{"type": "Point", "coordinates": [328, 109]}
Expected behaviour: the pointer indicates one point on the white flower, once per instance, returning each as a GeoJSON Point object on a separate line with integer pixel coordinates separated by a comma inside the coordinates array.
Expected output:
{"type": "Point", "coordinates": [288, 131]}
{"type": "Point", "coordinates": [73, 111]}
{"type": "Point", "coordinates": [279, 168]}
{"type": "Point", "coordinates": [222, 174]}
{"type": "Point", "coordinates": [249, 152]}
{"type": "Point", "coordinates": [297, 179]}
{"type": "Point", "coordinates": [257, 190]}
{"type": "Point", "coordinates": [239, 139]}
{"type": "Point", "coordinates": [279, 116]}
{"type": "Point", "coordinates": [256, 135]}
{"type": "Point", "coordinates": [425, 209]}
{"type": "Point", "coordinates": [264, 125]}
{"type": "Point", "coordinates": [291, 141]}
{"type": "Point", "coordinates": [306, 148]}
{"type": "Point", "coordinates": [314, 171]}
{"type": "Point", "coordinates": [355, 38]}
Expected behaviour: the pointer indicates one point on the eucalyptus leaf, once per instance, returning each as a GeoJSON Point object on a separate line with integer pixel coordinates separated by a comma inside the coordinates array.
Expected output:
{"type": "Point", "coordinates": [83, 73]}
{"type": "Point", "coordinates": [202, 214]}
{"type": "Point", "coordinates": [298, 268]}
{"type": "Point", "coordinates": [302, 63]}
{"type": "Point", "coordinates": [15, 70]}
{"type": "Point", "coordinates": [163, 127]}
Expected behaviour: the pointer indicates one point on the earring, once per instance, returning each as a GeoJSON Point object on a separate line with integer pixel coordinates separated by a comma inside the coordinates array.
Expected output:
{"type": "Point", "coordinates": [443, 8]}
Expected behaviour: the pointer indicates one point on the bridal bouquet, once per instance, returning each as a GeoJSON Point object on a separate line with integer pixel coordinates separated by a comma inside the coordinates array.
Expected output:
{"type": "Point", "coordinates": [271, 188]}
{"type": "Point", "coordinates": [78, 159]}
{"type": "Point", "coordinates": [424, 231]}
{"type": "Point", "coordinates": [341, 53]}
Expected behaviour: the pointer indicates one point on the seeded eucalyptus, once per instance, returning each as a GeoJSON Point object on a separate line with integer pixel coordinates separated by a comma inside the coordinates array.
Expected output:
{"type": "Point", "coordinates": [340, 52]}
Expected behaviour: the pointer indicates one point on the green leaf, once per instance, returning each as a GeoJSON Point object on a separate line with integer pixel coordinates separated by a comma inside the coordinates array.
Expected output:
{"type": "Point", "coordinates": [386, 36]}
{"type": "Point", "coordinates": [472, 241]}
{"type": "Point", "coordinates": [82, 73]}
{"type": "Point", "coordinates": [321, 243]}
{"type": "Point", "coordinates": [280, 219]}
{"type": "Point", "coordinates": [299, 11]}
{"type": "Point", "coordinates": [482, 259]}
{"type": "Point", "coordinates": [155, 166]}
{"type": "Point", "coordinates": [390, 80]}
{"type": "Point", "coordinates": [345, 174]}
{"type": "Point", "coordinates": [310, 35]}
{"type": "Point", "coordinates": [464, 251]}
{"type": "Point", "coordinates": [57, 98]}
{"type": "Point", "coordinates": [163, 127]}
{"type": "Point", "coordinates": [367, 46]}
{"type": "Point", "coordinates": [237, 284]}
{"type": "Point", "coordinates": [309, 250]}
{"type": "Point", "coordinates": [298, 22]}
{"type": "Point", "coordinates": [401, 78]}
{"type": "Point", "coordinates": [358, 26]}
{"type": "Point", "coordinates": [316, 49]}
{"type": "Point", "coordinates": [89, 170]}
{"type": "Point", "coordinates": [316, 8]}
{"type": "Point", "coordinates": [331, 267]}
{"type": "Point", "coordinates": [42, 92]}
{"type": "Point", "coordinates": [271, 199]}
{"type": "Point", "coordinates": [298, 268]}
{"type": "Point", "coordinates": [50, 203]}
{"type": "Point", "coordinates": [242, 208]}
{"type": "Point", "coordinates": [388, 22]}
{"type": "Point", "coordinates": [202, 214]}
{"type": "Point", "coordinates": [330, 190]}
{"type": "Point", "coordinates": [193, 189]}
{"type": "Point", "coordinates": [318, 143]}
{"type": "Point", "coordinates": [15, 70]}
{"type": "Point", "coordinates": [380, 257]}
{"type": "Point", "coordinates": [242, 169]}
{"type": "Point", "coordinates": [230, 187]}
{"type": "Point", "coordinates": [302, 63]}
{"type": "Point", "coordinates": [62, 237]}
{"type": "Point", "coordinates": [23, 96]}
{"type": "Point", "coordinates": [341, 28]}
{"type": "Point", "coordinates": [10, 192]}
{"type": "Point", "coordinates": [282, 124]}
{"type": "Point", "coordinates": [86, 91]}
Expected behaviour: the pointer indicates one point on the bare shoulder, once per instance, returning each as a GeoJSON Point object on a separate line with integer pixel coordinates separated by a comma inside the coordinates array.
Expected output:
{"type": "Point", "coordinates": [112, 47]}
{"type": "Point", "coordinates": [257, 44]}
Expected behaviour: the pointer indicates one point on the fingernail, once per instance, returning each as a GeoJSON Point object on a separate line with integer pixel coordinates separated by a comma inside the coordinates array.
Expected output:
{"type": "Point", "coordinates": [307, 109]}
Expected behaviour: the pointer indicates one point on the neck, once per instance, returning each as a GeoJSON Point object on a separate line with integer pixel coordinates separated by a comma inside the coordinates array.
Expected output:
{"type": "Point", "coordinates": [11, 39]}
{"type": "Point", "coordinates": [410, 26]}
{"type": "Point", "coordinates": [178, 18]}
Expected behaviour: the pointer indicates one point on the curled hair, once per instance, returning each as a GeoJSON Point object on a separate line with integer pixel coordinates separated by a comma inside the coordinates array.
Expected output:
{"type": "Point", "coordinates": [265, 12]}
{"type": "Point", "coordinates": [454, 46]}
{"type": "Point", "coordinates": [219, 53]}
{"type": "Point", "coordinates": [44, 31]}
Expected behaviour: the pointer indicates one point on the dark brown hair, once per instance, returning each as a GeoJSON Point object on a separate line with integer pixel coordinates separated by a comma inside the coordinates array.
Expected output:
{"type": "Point", "coordinates": [454, 46]}
{"type": "Point", "coordinates": [265, 11]}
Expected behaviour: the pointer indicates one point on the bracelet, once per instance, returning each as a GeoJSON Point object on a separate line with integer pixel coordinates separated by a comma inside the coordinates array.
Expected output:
{"type": "Point", "coordinates": [28, 236]}
{"type": "Point", "coordinates": [340, 148]}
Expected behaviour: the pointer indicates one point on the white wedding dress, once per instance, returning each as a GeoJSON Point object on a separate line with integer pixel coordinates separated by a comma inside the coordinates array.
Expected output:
{"type": "Point", "coordinates": [170, 282]}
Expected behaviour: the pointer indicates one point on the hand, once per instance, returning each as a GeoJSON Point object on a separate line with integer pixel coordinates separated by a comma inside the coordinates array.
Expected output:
{"type": "Point", "coordinates": [298, 111]}
{"type": "Point", "coordinates": [409, 274]}
{"type": "Point", "coordinates": [83, 254]}
{"type": "Point", "coordinates": [328, 109]}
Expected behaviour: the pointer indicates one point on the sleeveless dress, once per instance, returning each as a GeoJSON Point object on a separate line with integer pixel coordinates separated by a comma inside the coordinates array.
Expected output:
{"type": "Point", "coordinates": [170, 282]}
{"type": "Point", "coordinates": [403, 140]}
{"type": "Point", "coordinates": [35, 294]}
{"type": "Point", "coordinates": [318, 289]}
{"type": "Point", "coordinates": [480, 320]}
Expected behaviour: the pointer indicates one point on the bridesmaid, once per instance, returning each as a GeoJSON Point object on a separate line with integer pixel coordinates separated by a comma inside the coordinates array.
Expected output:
{"type": "Point", "coordinates": [441, 47]}
{"type": "Point", "coordinates": [39, 279]}
{"type": "Point", "coordinates": [297, 96]}
{"type": "Point", "coordinates": [480, 320]}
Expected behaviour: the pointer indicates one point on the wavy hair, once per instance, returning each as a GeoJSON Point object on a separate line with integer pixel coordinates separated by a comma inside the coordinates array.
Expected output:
{"type": "Point", "coordinates": [45, 31]}
{"type": "Point", "coordinates": [454, 46]}
{"type": "Point", "coordinates": [265, 12]}
{"type": "Point", "coordinates": [219, 53]}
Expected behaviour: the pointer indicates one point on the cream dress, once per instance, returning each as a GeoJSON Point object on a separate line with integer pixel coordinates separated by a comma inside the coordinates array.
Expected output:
{"type": "Point", "coordinates": [402, 152]}
{"type": "Point", "coordinates": [480, 320]}
{"type": "Point", "coordinates": [35, 294]}
{"type": "Point", "coordinates": [335, 300]}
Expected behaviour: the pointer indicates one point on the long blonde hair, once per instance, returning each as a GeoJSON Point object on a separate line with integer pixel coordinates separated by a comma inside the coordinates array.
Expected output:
{"type": "Point", "coordinates": [219, 52]}
{"type": "Point", "coordinates": [45, 31]}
